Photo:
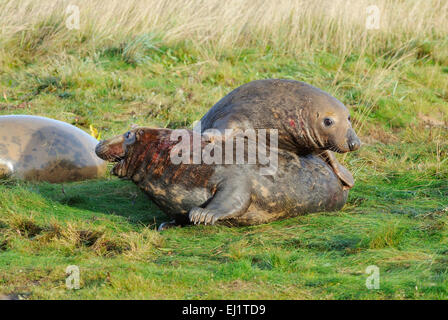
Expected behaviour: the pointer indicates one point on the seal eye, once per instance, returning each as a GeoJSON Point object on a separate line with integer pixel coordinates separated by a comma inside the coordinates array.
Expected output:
{"type": "Point", "coordinates": [328, 122]}
{"type": "Point", "coordinates": [349, 118]}
{"type": "Point", "coordinates": [129, 137]}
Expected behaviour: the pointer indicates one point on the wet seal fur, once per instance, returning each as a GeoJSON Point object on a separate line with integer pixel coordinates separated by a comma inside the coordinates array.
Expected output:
{"type": "Point", "coordinates": [231, 194]}
{"type": "Point", "coordinates": [41, 149]}
{"type": "Point", "coordinates": [309, 120]}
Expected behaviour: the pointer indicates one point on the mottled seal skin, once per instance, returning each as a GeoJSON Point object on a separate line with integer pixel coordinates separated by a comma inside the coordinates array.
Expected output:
{"type": "Point", "coordinates": [227, 194]}
{"type": "Point", "coordinates": [40, 149]}
{"type": "Point", "coordinates": [308, 120]}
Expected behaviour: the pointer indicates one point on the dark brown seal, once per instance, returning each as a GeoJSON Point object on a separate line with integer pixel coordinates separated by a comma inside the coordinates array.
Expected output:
{"type": "Point", "coordinates": [308, 120]}
{"type": "Point", "coordinates": [41, 149]}
{"type": "Point", "coordinates": [232, 194]}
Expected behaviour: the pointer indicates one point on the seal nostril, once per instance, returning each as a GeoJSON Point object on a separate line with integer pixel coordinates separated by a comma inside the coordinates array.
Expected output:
{"type": "Point", "coordinates": [354, 145]}
{"type": "Point", "coordinates": [351, 146]}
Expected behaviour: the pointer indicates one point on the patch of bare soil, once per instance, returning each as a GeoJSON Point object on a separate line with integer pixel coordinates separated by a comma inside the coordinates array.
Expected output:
{"type": "Point", "coordinates": [431, 121]}
{"type": "Point", "coordinates": [377, 134]}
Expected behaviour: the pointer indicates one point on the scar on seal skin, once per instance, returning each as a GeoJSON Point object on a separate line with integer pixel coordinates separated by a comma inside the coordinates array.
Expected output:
{"type": "Point", "coordinates": [309, 120]}
{"type": "Point", "coordinates": [230, 194]}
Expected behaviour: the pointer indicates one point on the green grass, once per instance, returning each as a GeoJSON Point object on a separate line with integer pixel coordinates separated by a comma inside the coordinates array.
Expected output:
{"type": "Point", "coordinates": [396, 217]}
{"type": "Point", "coordinates": [400, 228]}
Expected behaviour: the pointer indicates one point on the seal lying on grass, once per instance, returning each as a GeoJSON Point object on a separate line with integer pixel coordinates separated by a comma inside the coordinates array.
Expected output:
{"type": "Point", "coordinates": [232, 194]}
{"type": "Point", "coordinates": [308, 120]}
{"type": "Point", "coordinates": [42, 149]}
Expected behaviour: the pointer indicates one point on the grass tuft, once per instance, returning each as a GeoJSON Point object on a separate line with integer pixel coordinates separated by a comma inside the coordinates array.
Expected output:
{"type": "Point", "coordinates": [389, 236]}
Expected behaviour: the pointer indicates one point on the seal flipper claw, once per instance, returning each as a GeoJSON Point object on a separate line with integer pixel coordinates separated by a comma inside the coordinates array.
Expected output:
{"type": "Point", "coordinates": [229, 201]}
{"type": "Point", "coordinates": [198, 215]}
{"type": "Point", "coordinates": [341, 172]}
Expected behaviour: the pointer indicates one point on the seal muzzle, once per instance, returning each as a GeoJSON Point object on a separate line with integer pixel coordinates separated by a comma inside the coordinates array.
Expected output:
{"type": "Point", "coordinates": [353, 141]}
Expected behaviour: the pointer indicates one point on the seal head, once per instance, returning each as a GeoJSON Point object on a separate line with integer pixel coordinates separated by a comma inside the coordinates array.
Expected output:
{"type": "Point", "coordinates": [326, 125]}
{"type": "Point", "coordinates": [133, 149]}
{"type": "Point", "coordinates": [121, 150]}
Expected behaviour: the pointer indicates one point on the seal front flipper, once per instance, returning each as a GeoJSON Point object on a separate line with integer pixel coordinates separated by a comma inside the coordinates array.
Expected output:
{"type": "Point", "coordinates": [231, 199]}
{"type": "Point", "coordinates": [341, 172]}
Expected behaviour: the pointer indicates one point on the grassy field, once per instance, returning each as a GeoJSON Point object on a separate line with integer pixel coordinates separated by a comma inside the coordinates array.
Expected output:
{"type": "Point", "coordinates": [164, 64]}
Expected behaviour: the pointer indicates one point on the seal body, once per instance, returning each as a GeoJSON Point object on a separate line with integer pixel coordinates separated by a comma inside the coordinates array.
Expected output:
{"type": "Point", "coordinates": [41, 149]}
{"type": "Point", "coordinates": [308, 120]}
{"type": "Point", "coordinates": [231, 194]}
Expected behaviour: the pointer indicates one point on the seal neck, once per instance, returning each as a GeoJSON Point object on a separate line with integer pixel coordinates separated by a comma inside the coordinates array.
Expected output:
{"type": "Point", "coordinates": [151, 155]}
{"type": "Point", "coordinates": [300, 137]}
